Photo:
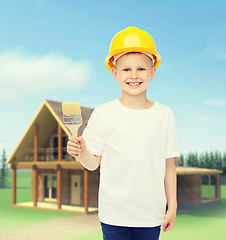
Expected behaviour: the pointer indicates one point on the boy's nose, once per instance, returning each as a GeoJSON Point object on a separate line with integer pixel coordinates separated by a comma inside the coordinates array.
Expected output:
{"type": "Point", "coordinates": [133, 75]}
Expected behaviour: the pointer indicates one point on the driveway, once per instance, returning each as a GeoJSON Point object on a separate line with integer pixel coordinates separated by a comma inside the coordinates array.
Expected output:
{"type": "Point", "coordinates": [55, 229]}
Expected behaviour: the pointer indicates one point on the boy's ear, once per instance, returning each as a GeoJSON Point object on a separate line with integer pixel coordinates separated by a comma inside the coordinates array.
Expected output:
{"type": "Point", "coordinates": [114, 73]}
{"type": "Point", "coordinates": [153, 72]}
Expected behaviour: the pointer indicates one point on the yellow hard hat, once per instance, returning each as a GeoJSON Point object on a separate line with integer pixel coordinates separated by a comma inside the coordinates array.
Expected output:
{"type": "Point", "coordinates": [131, 39]}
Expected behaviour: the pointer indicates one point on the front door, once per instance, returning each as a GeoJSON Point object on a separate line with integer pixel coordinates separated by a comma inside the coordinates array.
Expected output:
{"type": "Point", "coordinates": [76, 189]}
{"type": "Point", "coordinates": [50, 187]}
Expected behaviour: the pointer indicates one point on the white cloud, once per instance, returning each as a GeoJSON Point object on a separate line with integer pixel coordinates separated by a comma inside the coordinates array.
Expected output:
{"type": "Point", "coordinates": [215, 48]}
{"type": "Point", "coordinates": [215, 102]}
{"type": "Point", "coordinates": [221, 55]}
{"type": "Point", "coordinates": [198, 118]}
{"type": "Point", "coordinates": [89, 102]}
{"type": "Point", "coordinates": [201, 119]}
{"type": "Point", "coordinates": [33, 75]}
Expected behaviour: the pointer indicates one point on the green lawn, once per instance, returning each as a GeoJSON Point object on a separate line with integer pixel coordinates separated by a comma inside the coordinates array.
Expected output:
{"type": "Point", "coordinates": [21, 216]}
{"type": "Point", "coordinates": [207, 223]}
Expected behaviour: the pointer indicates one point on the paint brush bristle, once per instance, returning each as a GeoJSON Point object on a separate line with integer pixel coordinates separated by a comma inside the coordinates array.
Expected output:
{"type": "Point", "coordinates": [71, 108]}
{"type": "Point", "coordinates": [71, 113]}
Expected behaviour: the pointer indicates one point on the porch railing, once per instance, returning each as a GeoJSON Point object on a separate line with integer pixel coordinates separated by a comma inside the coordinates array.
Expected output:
{"type": "Point", "coordinates": [44, 154]}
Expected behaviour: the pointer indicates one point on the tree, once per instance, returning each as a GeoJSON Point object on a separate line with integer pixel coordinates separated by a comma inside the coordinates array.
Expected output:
{"type": "Point", "coordinates": [207, 160]}
{"type": "Point", "coordinates": [218, 160]}
{"type": "Point", "coordinates": [224, 163]}
{"type": "Point", "coordinates": [182, 160]}
{"type": "Point", "coordinates": [202, 160]}
{"type": "Point", "coordinates": [192, 159]}
{"type": "Point", "coordinates": [3, 171]}
{"type": "Point", "coordinates": [211, 160]}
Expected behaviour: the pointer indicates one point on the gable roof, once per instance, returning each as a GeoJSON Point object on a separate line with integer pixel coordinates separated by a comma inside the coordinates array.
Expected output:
{"type": "Point", "coordinates": [49, 114]}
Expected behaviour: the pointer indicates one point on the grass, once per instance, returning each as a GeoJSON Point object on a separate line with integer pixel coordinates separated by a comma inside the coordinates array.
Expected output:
{"type": "Point", "coordinates": [201, 224]}
{"type": "Point", "coordinates": [207, 223]}
{"type": "Point", "coordinates": [205, 191]}
{"type": "Point", "coordinates": [20, 216]}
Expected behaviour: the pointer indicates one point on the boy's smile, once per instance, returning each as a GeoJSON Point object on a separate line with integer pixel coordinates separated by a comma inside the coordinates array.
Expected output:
{"type": "Point", "coordinates": [134, 71]}
{"type": "Point", "coordinates": [134, 84]}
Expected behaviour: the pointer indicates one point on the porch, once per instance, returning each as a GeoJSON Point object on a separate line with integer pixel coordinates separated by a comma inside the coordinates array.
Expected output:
{"type": "Point", "coordinates": [53, 207]}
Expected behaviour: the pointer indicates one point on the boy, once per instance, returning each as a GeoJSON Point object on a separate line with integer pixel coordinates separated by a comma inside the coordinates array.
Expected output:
{"type": "Point", "coordinates": [134, 141]}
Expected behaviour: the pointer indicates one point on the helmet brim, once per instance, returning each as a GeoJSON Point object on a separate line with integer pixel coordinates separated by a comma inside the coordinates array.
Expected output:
{"type": "Point", "coordinates": [109, 59]}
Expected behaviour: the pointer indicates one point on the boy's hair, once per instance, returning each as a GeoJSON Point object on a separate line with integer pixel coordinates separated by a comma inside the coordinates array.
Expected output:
{"type": "Point", "coordinates": [151, 60]}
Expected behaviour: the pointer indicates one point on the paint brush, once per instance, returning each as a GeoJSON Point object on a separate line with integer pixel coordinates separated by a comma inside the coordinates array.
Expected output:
{"type": "Point", "coordinates": [72, 117]}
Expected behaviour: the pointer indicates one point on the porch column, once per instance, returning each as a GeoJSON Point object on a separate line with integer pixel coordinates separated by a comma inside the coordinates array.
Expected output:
{"type": "Point", "coordinates": [34, 168]}
{"type": "Point", "coordinates": [217, 186]}
{"type": "Point", "coordinates": [34, 185]}
{"type": "Point", "coordinates": [36, 142]}
{"type": "Point", "coordinates": [86, 188]}
{"type": "Point", "coordinates": [59, 176]}
{"type": "Point", "coordinates": [13, 184]}
{"type": "Point", "coordinates": [59, 143]}
{"type": "Point", "coordinates": [209, 186]}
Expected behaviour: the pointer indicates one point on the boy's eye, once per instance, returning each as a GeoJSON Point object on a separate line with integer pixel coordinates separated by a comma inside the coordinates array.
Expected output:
{"type": "Point", "coordinates": [127, 69]}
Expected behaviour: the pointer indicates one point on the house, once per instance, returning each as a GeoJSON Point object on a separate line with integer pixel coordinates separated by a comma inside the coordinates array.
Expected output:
{"type": "Point", "coordinates": [197, 187]}
{"type": "Point", "coordinates": [61, 183]}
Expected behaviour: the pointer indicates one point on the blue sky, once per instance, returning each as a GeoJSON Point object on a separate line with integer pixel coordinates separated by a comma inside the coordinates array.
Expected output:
{"type": "Point", "coordinates": [56, 50]}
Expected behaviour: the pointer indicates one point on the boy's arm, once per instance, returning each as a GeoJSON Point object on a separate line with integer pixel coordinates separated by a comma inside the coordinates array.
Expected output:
{"type": "Point", "coordinates": [171, 184]}
{"type": "Point", "coordinates": [89, 160]}
{"type": "Point", "coordinates": [171, 195]}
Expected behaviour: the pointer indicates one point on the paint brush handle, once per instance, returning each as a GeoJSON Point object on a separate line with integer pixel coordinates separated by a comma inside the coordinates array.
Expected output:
{"type": "Point", "coordinates": [73, 128]}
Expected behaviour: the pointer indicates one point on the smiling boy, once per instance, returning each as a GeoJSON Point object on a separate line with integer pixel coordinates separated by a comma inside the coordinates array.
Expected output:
{"type": "Point", "coordinates": [133, 140]}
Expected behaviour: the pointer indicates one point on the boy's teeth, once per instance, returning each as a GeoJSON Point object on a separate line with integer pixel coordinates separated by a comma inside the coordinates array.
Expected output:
{"type": "Point", "coordinates": [134, 83]}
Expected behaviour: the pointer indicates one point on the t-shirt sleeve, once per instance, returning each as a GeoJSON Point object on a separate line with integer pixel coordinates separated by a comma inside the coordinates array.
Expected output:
{"type": "Point", "coordinates": [172, 149]}
{"type": "Point", "coordinates": [94, 134]}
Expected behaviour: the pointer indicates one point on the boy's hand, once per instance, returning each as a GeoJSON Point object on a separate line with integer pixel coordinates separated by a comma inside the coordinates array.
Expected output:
{"type": "Point", "coordinates": [169, 220]}
{"type": "Point", "coordinates": [76, 146]}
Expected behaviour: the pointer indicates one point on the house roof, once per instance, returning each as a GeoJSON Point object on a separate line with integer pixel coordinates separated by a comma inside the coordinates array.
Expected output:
{"type": "Point", "coordinates": [49, 114]}
{"type": "Point", "coordinates": [181, 170]}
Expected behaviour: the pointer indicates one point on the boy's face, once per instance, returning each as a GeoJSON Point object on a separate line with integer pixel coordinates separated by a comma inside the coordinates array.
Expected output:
{"type": "Point", "coordinates": [134, 68]}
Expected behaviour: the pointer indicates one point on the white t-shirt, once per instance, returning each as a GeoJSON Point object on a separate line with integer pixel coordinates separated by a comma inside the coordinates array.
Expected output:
{"type": "Point", "coordinates": [134, 145]}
